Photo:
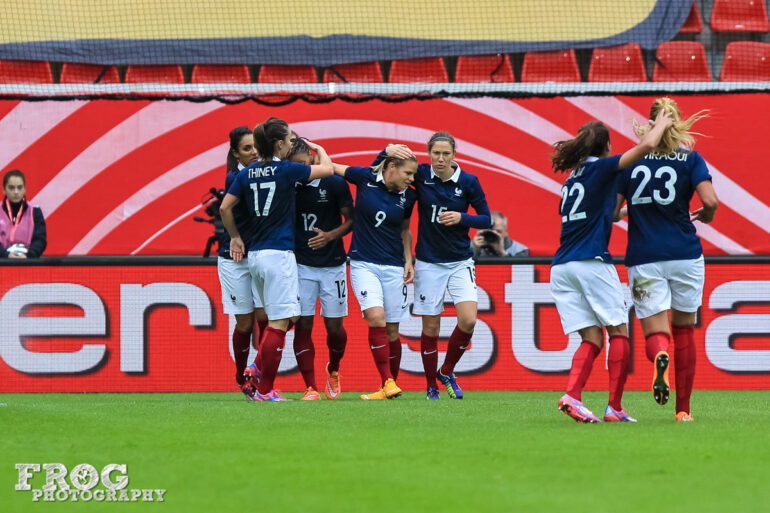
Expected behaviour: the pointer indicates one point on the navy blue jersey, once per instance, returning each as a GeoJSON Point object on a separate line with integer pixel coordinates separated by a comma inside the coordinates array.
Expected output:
{"type": "Point", "coordinates": [242, 221]}
{"type": "Point", "coordinates": [658, 190]}
{"type": "Point", "coordinates": [377, 218]}
{"type": "Point", "coordinates": [267, 189]}
{"type": "Point", "coordinates": [587, 203]}
{"type": "Point", "coordinates": [438, 243]}
{"type": "Point", "coordinates": [318, 206]}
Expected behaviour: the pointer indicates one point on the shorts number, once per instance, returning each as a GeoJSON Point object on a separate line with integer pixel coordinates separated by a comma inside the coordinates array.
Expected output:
{"type": "Point", "coordinates": [380, 217]}
{"type": "Point", "coordinates": [436, 213]}
{"type": "Point", "coordinates": [574, 215]}
{"type": "Point", "coordinates": [309, 220]}
{"type": "Point", "coordinates": [668, 185]}
{"type": "Point", "coordinates": [403, 291]}
{"type": "Point", "coordinates": [472, 272]}
{"type": "Point", "coordinates": [341, 288]}
{"type": "Point", "coordinates": [269, 201]}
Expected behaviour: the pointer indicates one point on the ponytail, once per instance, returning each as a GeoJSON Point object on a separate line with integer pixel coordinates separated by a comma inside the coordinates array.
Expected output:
{"type": "Point", "coordinates": [591, 140]}
{"type": "Point", "coordinates": [267, 134]}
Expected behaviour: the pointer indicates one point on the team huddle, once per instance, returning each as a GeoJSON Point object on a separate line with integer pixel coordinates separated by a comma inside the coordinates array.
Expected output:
{"type": "Point", "coordinates": [286, 210]}
{"type": "Point", "coordinates": [288, 206]}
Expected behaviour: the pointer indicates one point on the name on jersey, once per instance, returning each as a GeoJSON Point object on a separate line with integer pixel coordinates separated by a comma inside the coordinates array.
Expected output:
{"type": "Point", "coordinates": [676, 155]}
{"type": "Point", "coordinates": [578, 171]}
{"type": "Point", "coordinates": [257, 172]}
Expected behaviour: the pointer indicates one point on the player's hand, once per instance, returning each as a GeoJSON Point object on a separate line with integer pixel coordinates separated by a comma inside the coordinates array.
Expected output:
{"type": "Point", "coordinates": [237, 249]}
{"type": "Point", "coordinates": [449, 218]}
{"type": "Point", "coordinates": [663, 118]}
{"type": "Point", "coordinates": [399, 151]}
{"type": "Point", "coordinates": [408, 273]}
{"type": "Point", "coordinates": [622, 213]}
{"type": "Point", "coordinates": [702, 215]}
{"type": "Point", "coordinates": [13, 254]}
{"type": "Point", "coordinates": [320, 239]}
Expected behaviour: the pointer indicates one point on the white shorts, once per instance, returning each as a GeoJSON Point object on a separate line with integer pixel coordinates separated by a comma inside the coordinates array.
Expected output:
{"type": "Point", "coordinates": [587, 293]}
{"type": "Point", "coordinates": [660, 286]}
{"type": "Point", "coordinates": [432, 280]}
{"type": "Point", "coordinates": [239, 295]}
{"type": "Point", "coordinates": [380, 285]}
{"type": "Point", "coordinates": [275, 276]}
{"type": "Point", "coordinates": [329, 284]}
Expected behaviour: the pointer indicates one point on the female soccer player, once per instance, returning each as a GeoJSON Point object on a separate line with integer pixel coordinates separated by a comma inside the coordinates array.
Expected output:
{"type": "Point", "coordinates": [664, 255]}
{"type": "Point", "coordinates": [322, 268]}
{"type": "Point", "coordinates": [22, 225]}
{"type": "Point", "coordinates": [267, 187]}
{"type": "Point", "coordinates": [238, 295]}
{"type": "Point", "coordinates": [444, 255]}
{"type": "Point", "coordinates": [584, 282]}
{"type": "Point", "coordinates": [381, 258]}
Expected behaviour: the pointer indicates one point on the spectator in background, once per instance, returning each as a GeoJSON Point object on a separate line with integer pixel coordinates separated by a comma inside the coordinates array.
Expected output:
{"type": "Point", "coordinates": [495, 242]}
{"type": "Point", "coordinates": [22, 225]}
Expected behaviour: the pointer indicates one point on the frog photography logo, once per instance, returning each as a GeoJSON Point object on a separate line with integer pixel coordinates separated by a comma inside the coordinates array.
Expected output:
{"type": "Point", "coordinates": [83, 483]}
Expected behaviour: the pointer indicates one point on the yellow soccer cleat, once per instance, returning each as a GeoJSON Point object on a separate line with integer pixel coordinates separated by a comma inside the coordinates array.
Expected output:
{"type": "Point", "coordinates": [379, 395]}
{"type": "Point", "coordinates": [391, 389]}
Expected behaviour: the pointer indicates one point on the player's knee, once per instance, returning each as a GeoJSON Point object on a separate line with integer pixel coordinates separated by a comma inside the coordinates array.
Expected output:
{"type": "Point", "coordinates": [333, 325]}
{"type": "Point", "coordinates": [620, 330]}
{"type": "Point", "coordinates": [245, 323]}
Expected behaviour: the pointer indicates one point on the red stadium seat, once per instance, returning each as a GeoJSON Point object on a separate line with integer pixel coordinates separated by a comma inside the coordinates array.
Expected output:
{"type": "Point", "coordinates": [359, 72]}
{"type": "Point", "coordinates": [220, 73]}
{"type": "Point", "coordinates": [25, 72]}
{"type": "Point", "coordinates": [739, 16]}
{"type": "Point", "coordinates": [72, 73]}
{"type": "Point", "coordinates": [279, 74]}
{"type": "Point", "coordinates": [746, 61]}
{"type": "Point", "coordinates": [484, 68]}
{"type": "Point", "coordinates": [681, 61]}
{"type": "Point", "coordinates": [161, 74]}
{"type": "Point", "coordinates": [622, 63]}
{"type": "Point", "coordinates": [428, 70]}
{"type": "Point", "coordinates": [554, 66]}
{"type": "Point", "coordinates": [693, 24]}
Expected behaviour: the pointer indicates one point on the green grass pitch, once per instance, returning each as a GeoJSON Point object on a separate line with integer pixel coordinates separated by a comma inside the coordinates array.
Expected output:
{"type": "Point", "coordinates": [493, 451]}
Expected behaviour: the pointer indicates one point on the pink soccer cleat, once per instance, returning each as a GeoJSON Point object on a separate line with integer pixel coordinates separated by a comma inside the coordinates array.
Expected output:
{"type": "Point", "coordinates": [577, 410]}
{"type": "Point", "coordinates": [613, 415]}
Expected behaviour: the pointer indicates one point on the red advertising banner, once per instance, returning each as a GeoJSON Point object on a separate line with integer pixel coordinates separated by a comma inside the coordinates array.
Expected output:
{"type": "Point", "coordinates": [119, 177]}
{"type": "Point", "coordinates": [121, 328]}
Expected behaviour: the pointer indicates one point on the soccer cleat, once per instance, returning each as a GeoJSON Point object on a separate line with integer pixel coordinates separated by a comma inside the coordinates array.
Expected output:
{"type": "Point", "coordinates": [577, 410]}
{"type": "Point", "coordinates": [248, 391]}
{"type": "Point", "coordinates": [379, 395]}
{"type": "Point", "coordinates": [252, 375]}
{"type": "Point", "coordinates": [433, 393]}
{"type": "Point", "coordinates": [310, 395]}
{"type": "Point", "coordinates": [390, 389]}
{"type": "Point", "coordinates": [613, 415]}
{"type": "Point", "coordinates": [270, 396]}
{"type": "Point", "coordinates": [454, 390]}
{"type": "Point", "coordinates": [660, 387]}
{"type": "Point", "coordinates": [332, 383]}
{"type": "Point", "coordinates": [683, 416]}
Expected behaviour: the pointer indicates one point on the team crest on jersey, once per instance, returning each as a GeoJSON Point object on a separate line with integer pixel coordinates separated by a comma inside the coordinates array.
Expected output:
{"type": "Point", "coordinates": [458, 191]}
{"type": "Point", "coordinates": [322, 196]}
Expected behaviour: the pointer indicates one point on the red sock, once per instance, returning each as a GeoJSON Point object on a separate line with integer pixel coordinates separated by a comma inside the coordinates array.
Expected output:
{"type": "Point", "coordinates": [656, 343]}
{"type": "Point", "coordinates": [336, 343]}
{"type": "Point", "coordinates": [395, 356]}
{"type": "Point", "coordinates": [271, 352]}
{"type": "Point", "coordinates": [429, 353]}
{"type": "Point", "coordinates": [241, 346]}
{"type": "Point", "coordinates": [378, 343]}
{"type": "Point", "coordinates": [618, 360]}
{"type": "Point", "coordinates": [582, 363]}
{"type": "Point", "coordinates": [684, 365]}
{"type": "Point", "coordinates": [458, 342]}
{"type": "Point", "coordinates": [304, 351]}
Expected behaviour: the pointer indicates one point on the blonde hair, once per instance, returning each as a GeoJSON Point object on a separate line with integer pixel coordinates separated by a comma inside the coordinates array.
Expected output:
{"type": "Point", "coordinates": [678, 134]}
{"type": "Point", "coordinates": [379, 168]}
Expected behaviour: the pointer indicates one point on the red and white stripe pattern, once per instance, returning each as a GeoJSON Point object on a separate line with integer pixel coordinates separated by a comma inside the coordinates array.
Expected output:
{"type": "Point", "coordinates": [126, 177]}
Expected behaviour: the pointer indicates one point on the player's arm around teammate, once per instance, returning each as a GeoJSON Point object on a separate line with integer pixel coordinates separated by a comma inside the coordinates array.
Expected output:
{"type": "Point", "coordinates": [584, 282]}
{"type": "Point", "coordinates": [267, 187]}
{"type": "Point", "coordinates": [444, 256]}
{"type": "Point", "coordinates": [664, 255]}
{"type": "Point", "coordinates": [324, 214]}
{"type": "Point", "coordinates": [380, 261]}
{"type": "Point", "coordinates": [239, 297]}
